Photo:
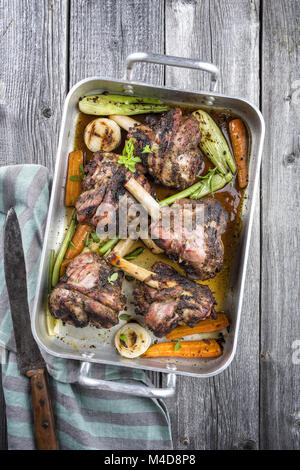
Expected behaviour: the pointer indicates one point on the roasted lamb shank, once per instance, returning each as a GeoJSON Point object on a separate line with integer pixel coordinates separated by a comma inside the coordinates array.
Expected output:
{"type": "Point", "coordinates": [174, 158]}
{"type": "Point", "coordinates": [189, 231]}
{"type": "Point", "coordinates": [166, 298]}
{"type": "Point", "coordinates": [193, 236]}
{"type": "Point", "coordinates": [84, 294]}
{"type": "Point", "coordinates": [164, 308]}
{"type": "Point", "coordinates": [104, 184]}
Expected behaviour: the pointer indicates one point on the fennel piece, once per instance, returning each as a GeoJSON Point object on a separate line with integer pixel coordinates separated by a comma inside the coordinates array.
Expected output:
{"type": "Point", "coordinates": [104, 105]}
{"type": "Point", "coordinates": [213, 143]}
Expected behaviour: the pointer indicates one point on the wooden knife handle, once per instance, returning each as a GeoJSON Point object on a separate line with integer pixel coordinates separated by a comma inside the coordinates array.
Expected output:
{"type": "Point", "coordinates": [42, 410]}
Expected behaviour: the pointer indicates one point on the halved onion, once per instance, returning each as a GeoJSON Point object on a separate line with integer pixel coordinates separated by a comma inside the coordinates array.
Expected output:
{"type": "Point", "coordinates": [132, 340]}
{"type": "Point", "coordinates": [102, 134]}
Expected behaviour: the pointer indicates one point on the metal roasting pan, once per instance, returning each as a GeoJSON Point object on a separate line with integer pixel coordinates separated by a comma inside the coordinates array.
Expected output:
{"type": "Point", "coordinates": [90, 346]}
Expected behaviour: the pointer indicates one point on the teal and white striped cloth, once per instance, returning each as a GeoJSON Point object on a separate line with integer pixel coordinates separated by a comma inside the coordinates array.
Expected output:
{"type": "Point", "coordinates": [85, 419]}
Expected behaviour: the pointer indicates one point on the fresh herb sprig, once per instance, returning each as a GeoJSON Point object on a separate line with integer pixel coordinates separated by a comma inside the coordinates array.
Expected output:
{"type": "Point", "coordinates": [127, 158]}
{"type": "Point", "coordinates": [147, 149]}
{"type": "Point", "coordinates": [112, 279]}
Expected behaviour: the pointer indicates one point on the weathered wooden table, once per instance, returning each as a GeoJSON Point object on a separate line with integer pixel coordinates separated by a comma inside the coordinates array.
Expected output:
{"type": "Point", "coordinates": [48, 45]}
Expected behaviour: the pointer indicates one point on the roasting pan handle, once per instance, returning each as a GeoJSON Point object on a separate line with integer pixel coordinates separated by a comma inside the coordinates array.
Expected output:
{"type": "Point", "coordinates": [171, 60]}
{"type": "Point", "coordinates": [128, 389]}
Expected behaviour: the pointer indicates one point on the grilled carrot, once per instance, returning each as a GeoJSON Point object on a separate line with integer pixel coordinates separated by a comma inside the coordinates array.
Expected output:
{"type": "Point", "coordinates": [238, 139]}
{"type": "Point", "coordinates": [204, 326]}
{"type": "Point", "coordinates": [76, 246]}
{"type": "Point", "coordinates": [73, 185]}
{"type": "Point", "coordinates": [204, 348]}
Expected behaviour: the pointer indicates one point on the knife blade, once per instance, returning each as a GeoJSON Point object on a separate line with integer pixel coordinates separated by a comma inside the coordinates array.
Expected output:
{"type": "Point", "coordinates": [29, 358]}
{"type": "Point", "coordinates": [28, 354]}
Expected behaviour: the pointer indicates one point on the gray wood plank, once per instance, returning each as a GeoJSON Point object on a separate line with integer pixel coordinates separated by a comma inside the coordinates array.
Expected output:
{"type": "Point", "coordinates": [102, 37]}
{"type": "Point", "coordinates": [280, 299]}
{"type": "Point", "coordinates": [32, 79]}
{"type": "Point", "coordinates": [222, 412]}
{"type": "Point", "coordinates": [32, 86]}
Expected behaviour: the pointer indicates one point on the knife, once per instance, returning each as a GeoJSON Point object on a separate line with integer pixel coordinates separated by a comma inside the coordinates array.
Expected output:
{"type": "Point", "coordinates": [30, 361]}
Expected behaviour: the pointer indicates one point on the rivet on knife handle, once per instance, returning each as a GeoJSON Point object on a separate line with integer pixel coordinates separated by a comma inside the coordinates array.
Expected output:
{"type": "Point", "coordinates": [42, 410]}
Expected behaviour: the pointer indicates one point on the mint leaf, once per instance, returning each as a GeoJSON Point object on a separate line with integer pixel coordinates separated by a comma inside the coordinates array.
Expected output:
{"type": "Point", "coordinates": [112, 279]}
{"type": "Point", "coordinates": [127, 158]}
{"type": "Point", "coordinates": [147, 149]}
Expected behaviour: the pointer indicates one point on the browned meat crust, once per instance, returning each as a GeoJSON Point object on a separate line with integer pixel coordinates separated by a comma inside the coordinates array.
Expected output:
{"type": "Point", "coordinates": [175, 160]}
{"type": "Point", "coordinates": [196, 244]}
{"type": "Point", "coordinates": [84, 294]}
{"type": "Point", "coordinates": [104, 184]}
{"type": "Point", "coordinates": [164, 308]}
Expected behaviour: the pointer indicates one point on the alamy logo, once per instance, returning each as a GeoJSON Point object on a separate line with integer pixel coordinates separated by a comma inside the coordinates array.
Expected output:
{"type": "Point", "coordinates": [129, 219]}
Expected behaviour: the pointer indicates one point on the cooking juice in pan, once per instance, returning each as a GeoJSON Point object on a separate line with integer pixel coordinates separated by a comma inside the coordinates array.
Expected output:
{"type": "Point", "coordinates": [231, 198]}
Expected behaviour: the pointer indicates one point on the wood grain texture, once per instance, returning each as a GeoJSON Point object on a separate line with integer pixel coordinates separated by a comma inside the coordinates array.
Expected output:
{"type": "Point", "coordinates": [32, 79]}
{"type": "Point", "coordinates": [48, 45]}
{"type": "Point", "coordinates": [102, 37]}
{"type": "Point", "coordinates": [33, 49]}
{"type": "Point", "coordinates": [280, 299]}
{"type": "Point", "coordinates": [222, 412]}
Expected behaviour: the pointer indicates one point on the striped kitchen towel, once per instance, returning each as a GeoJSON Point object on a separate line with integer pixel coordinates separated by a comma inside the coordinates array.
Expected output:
{"type": "Point", "coordinates": [85, 419]}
